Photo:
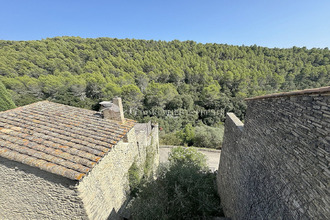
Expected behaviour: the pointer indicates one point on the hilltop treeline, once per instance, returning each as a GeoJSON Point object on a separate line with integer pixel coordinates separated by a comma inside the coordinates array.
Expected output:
{"type": "Point", "coordinates": [199, 81]}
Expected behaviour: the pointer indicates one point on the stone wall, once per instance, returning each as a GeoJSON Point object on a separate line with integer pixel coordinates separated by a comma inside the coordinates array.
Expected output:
{"type": "Point", "coordinates": [148, 142]}
{"type": "Point", "coordinates": [105, 189]}
{"type": "Point", "coordinates": [30, 193]}
{"type": "Point", "coordinates": [154, 146]}
{"type": "Point", "coordinates": [277, 165]}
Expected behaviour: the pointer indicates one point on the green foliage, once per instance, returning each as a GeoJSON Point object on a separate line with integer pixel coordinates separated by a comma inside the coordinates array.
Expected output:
{"type": "Point", "coordinates": [157, 78]}
{"type": "Point", "coordinates": [170, 139]}
{"type": "Point", "coordinates": [187, 134]}
{"type": "Point", "coordinates": [183, 190]}
{"type": "Point", "coordinates": [134, 177]}
{"type": "Point", "coordinates": [139, 173]}
{"type": "Point", "coordinates": [159, 94]}
{"type": "Point", "coordinates": [187, 156]}
{"type": "Point", "coordinates": [199, 136]}
{"type": "Point", "coordinates": [133, 96]}
{"type": "Point", "coordinates": [150, 161]}
{"type": "Point", "coordinates": [209, 137]}
{"type": "Point", "coordinates": [211, 93]}
{"type": "Point", "coordinates": [5, 99]}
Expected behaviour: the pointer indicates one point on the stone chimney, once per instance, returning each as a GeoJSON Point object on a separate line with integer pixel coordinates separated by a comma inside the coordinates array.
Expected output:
{"type": "Point", "coordinates": [113, 110]}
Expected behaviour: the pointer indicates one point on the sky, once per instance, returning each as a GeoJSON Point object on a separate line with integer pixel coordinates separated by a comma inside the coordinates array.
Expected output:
{"type": "Point", "coordinates": [269, 23]}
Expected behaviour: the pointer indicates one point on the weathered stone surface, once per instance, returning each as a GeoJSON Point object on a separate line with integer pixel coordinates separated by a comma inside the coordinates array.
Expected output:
{"type": "Point", "coordinates": [30, 193]}
{"type": "Point", "coordinates": [105, 189]}
{"type": "Point", "coordinates": [106, 186]}
{"type": "Point", "coordinates": [62, 162]}
{"type": "Point", "coordinates": [277, 167]}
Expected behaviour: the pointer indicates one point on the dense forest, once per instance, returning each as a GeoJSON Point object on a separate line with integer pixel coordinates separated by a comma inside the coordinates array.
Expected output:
{"type": "Point", "coordinates": [5, 99]}
{"type": "Point", "coordinates": [185, 86]}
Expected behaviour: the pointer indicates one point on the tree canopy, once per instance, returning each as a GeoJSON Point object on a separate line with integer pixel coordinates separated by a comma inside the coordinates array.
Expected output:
{"type": "Point", "coordinates": [5, 99]}
{"type": "Point", "coordinates": [201, 82]}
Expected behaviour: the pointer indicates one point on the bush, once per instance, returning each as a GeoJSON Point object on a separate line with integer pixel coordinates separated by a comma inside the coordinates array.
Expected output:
{"type": "Point", "coordinates": [209, 137]}
{"type": "Point", "coordinates": [134, 177]}
{"type": "Point", "coordinates": [148, 170]}
{"type": "Point", "coordinates": [170, 139]}
{"type": "Point", "coordinates": [199, 136]}
{"type": "Point", "coordinates": [183, 190]}
{"type": "Point", "coordinates": [184, 156]}
{"type": "Point", "coordinates": [187, 135]}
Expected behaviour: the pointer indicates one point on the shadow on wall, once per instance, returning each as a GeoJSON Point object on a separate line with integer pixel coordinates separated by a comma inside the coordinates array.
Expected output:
{"type": "Point", "coordinates": [276, 166]}
{"type": "Point", "coordinates": [148, 145]}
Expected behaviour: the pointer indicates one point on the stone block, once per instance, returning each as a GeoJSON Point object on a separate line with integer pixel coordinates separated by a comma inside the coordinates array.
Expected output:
{"type": "Point", "coordinates": [279, 163]}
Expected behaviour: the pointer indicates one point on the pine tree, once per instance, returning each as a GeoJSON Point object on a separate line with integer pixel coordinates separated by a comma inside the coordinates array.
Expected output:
{"type": "Point", "coordinates": [5, 99]}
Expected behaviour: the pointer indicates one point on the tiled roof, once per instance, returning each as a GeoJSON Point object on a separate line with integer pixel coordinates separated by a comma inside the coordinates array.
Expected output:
{"type": "Point", "coordinates": [60, 139]}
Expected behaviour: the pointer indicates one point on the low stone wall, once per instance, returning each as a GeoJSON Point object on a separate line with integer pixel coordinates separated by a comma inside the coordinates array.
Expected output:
{"type": "Point", "coordinates": [30, 193]}
{"type": "Point", "coordinates": [277, 165]}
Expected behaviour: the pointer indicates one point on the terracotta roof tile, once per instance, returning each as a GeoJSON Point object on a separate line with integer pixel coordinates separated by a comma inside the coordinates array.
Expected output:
{"type": "Point", "coordinates": [60, 139]}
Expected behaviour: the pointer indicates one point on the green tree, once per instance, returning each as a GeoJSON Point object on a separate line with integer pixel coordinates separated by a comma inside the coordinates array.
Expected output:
{"type": "Point", "coordinates": [132, 96]}
{"type": "Point", "coordinates": [159, 94]}
{"type": "Point", "coordinates": [170, 75]}
{"type": "Point", "coordinates": [210, 94]}
{"type": "Point", "coordinates": [187, 135]}
{"type": "Point", "coordinates": [5, 99]}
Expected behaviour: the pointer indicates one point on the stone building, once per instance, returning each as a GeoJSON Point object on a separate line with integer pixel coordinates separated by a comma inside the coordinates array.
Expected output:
{"type": "Point", "coordinates": [276, 164]}
{"type": "Point", "coordinates": [63, 162]}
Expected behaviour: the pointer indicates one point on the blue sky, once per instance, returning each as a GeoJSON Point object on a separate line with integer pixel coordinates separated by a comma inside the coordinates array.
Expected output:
{"type": "Point", "coordinates": [267, 23]}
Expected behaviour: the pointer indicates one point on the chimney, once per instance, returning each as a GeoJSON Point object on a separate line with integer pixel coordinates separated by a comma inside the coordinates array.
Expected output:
{"type": "Point", "coordinates": [113, 110]}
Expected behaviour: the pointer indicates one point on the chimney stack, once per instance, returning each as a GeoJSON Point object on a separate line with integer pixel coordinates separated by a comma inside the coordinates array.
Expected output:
{"type": "Point", "coordinates": [113, 110]}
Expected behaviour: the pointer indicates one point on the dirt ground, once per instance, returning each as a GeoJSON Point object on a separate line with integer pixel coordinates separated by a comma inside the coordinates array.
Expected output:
{"type": "Point", "coordinates": [213, 156]}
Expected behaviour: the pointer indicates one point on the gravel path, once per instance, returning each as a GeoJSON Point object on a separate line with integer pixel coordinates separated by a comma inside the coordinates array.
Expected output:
{"type": "Point", "coordinates": [213, 156]}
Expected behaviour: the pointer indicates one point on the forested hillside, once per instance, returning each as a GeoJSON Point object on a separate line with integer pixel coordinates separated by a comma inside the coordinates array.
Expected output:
{"type": "Point", "coordinates": [196, 84]}
{"type": "Point", "coordinates": [5, 99]}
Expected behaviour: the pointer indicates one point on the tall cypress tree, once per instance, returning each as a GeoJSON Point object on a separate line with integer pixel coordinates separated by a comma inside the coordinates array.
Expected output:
{"type": "Point", "coordinates": [5, 101]}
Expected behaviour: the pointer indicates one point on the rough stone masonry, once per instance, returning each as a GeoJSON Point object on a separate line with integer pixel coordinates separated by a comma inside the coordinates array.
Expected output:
{"type": "Point", "coordinates": [276, 165]}
{"type": "Point", "coordinates": [62, 162]}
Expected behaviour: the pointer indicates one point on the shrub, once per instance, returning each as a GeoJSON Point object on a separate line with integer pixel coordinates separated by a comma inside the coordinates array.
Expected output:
{"type": "Point", "coordinates": [149, 163]}
{"type": "Point", "coordinates": [184, 189]}
{"type": "Point", "coordinates": [134, 177]}
{"type": "Point", "coordinates": [170, 139]}
{"type": "Point", "coordinates": [199, 136]}
{"type": "Point", "coordinates": [209, 137]}
{"type": "Point", "coordinates": [187, 156]}
{"type": "Point", "coordinates": [187, 134]}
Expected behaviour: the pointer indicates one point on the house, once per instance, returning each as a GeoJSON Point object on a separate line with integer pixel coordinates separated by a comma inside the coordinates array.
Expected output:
{"type": "Point", "coordinates": [63, 162]}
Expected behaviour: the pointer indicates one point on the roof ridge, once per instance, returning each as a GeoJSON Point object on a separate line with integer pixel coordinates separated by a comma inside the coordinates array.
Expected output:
{"type": "Point", "coordinates": [319, 90]}
{"type": "Point", "coordinates": [21, 107]}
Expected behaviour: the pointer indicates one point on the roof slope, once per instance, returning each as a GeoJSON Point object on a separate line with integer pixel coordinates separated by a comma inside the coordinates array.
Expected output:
{"type": "Point", "coordinates": [60, 139]}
